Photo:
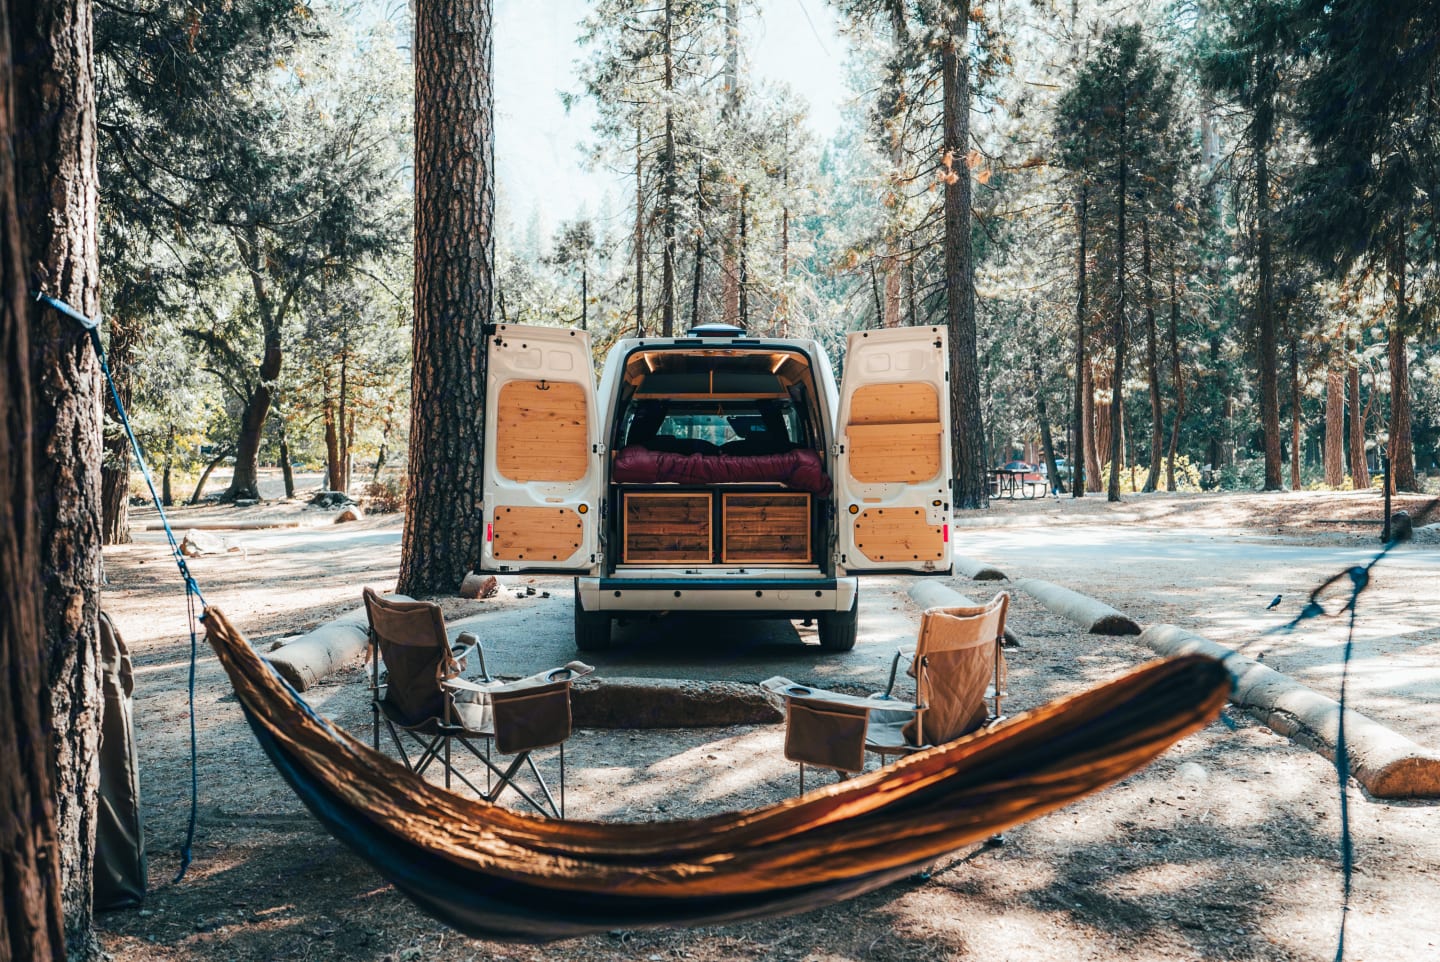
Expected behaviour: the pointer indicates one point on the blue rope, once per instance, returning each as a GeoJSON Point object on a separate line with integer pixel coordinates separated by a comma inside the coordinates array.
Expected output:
{"type": "Point", "coordinates": [1359, 576]}
{"type": "Point", "coordinates": [192, 589]}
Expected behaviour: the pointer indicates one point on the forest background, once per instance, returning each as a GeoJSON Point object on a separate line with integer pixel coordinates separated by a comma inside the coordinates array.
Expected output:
{"type": "Point", "coordinates": [1187, 249]}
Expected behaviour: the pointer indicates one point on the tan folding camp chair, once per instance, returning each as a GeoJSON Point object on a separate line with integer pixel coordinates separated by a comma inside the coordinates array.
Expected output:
{"type": "Point", "coordinates": [422, 696]}
{"type": "Point", "coordinates": [957, 664]}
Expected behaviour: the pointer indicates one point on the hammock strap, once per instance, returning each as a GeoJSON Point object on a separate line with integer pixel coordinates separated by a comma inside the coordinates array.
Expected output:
{"type": "Point", "coordinates": [192, 589]}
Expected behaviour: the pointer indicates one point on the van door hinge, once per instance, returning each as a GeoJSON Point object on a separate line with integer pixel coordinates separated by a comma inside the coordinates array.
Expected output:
{"type": "Point", "coordinates": [837, 450]}
{"type": "Point", "coordinates": [598, 447]}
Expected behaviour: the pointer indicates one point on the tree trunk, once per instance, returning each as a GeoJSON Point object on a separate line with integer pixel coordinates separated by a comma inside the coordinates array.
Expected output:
{"type": "Point", "coordinates": [286, 471]}
{"type": "Point", "coordinates": [1265, 296]}
{"type": "Point", "coordinates": [875, 295]}
{"type": "Point", "coordinates": [1078, 449]}
{"type": "Point", "coordinates": [1295, 412]}
{"type": "Point", "coordinates": [1177, 382]}
{"type": "Point", "coordinates": [205, 476]}
{"type": "Point", "coordinates": [1117, 379]}
{"type": "Point", "coordinates": [1359, 467]}
{"type": "Point", "coordinates": [639, 237]}
{"type": "Point", "coordinates": [167, 498]}
{"type": "Point", "coordinates": [1093, 436]}
{"type": "Point", "coordinates": [332, 437]}
{"type": "Point", "coordinates": [667, 186]}
{"type": "Point", "coordinates": [729, 273]}
{"type": "Point", "coordinates": [1047, 442]}
{"type": "Point", "coordinates": [346, 421]}
{"type": "Point", "coordinates": [32, 920]}
{"type": "Point", "coordinates": [1152, 362]}
{"type": "Point", "coordinates": [245, 483]}
{"type": "Point", "coordinates": [115, 471]}
{"type": "Point", "coordinates": [56, 187]}
{"type": "Point", "coordinates": [699, 246]}
{"type": "Point", "coordinates": [972, 487]}
{"type": "Point", "coordinates": [744, 262]}
{"type": "Point", "coordinates": [1402, 443]}
{"type": "Point", "coordinates": [1335, 414]}
{"type": "Point", "coordinates": [454, 197]}
{"type": "Point", "coordinates": [912, 311]}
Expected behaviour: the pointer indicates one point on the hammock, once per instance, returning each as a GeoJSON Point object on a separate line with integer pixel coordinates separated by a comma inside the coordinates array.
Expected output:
{"type": "Point", "coordinates": [494, 873]}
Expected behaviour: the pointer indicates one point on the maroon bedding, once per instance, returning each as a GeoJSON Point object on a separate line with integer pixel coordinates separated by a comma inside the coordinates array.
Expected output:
{"type": "Point", "coordinates": [800, 469]}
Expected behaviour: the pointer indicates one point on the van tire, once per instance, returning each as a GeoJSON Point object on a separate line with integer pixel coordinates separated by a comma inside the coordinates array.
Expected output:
{"type": "Point", "coordinates": [837, 629]}
{"type": "Point", "coordinates": [592, 628]}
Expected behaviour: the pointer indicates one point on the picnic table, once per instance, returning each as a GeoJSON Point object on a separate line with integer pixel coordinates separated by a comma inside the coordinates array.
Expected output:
{"type": "Point", "coordinates": [1012, 483]}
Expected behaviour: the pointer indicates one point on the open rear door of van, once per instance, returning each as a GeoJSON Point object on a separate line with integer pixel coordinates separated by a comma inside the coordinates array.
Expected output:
{"type": "Point", "coordinates": [543, 458]}
{"type": "Point", "coordinates": [892, 477]}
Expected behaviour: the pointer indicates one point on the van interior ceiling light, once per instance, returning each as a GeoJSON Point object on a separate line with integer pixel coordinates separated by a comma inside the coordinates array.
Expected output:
{"type": "Point", "coordinates": [649, 361]}
{"type": "Point", "coordinates": [779, 363]}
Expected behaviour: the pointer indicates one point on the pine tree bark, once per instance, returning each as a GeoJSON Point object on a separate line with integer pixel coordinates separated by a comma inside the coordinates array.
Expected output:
{"type": "Point", "coordinates": [1295, 413]}
{"type": "Point", "coordinates": [115, 471]}
{"type": "Point", "coordinates": [729, 271]}
{"type": "Point", "coordinates": [667, 186]}
{"type": "Point", "coordinates": [1080, 450]}
{"type": "Point", "coordinates": [1359, 467]}
{"type": "Point", "coordinates": [32, 922]}
{"type": "Point", "coordinates": [1152, 364]}
{"type": "Point", "coordinates": [454, 198]}
{"type": "Point", "coordinates": [1335, 414]}
{"type": "Point", "coordinates": [639, 236]}
{"type": "Point", "coordinates": [1117, 332]}
{"type": "Point", "coordinates": [1402, 442]}
{"type": "Point", "coordinates": [744, 279]}
{"type": "Point", "coordinates": [1093, 437]}
{"type": "Point", "coordinates": [1265, 296]}
{"type": "Point", "coordinates": [1177, 382]}
{"type": "Point", "coordinates": [56, 188]}
{"type": "Point", "coordinates": [972, 488]}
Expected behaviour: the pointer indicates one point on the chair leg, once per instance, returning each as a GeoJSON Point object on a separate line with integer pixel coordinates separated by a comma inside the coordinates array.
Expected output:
{"type": "Point", "coordinates": [562, 779]}
{"type": "Point", "coordinates": [507, 780]}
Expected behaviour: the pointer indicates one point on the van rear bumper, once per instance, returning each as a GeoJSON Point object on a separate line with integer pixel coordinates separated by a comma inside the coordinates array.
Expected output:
{"type": "Point", "coordinates": [730, 595]}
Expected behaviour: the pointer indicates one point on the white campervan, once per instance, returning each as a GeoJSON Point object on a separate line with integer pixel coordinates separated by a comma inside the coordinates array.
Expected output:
{"type": "Point", "coordinates": [717, 472]}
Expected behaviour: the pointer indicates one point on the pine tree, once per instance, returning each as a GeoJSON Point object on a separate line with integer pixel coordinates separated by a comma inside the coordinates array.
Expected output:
{"type": "Point", "coordinates": [454, 287]}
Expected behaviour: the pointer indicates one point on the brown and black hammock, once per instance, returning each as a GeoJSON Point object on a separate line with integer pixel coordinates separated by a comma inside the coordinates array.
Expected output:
{"type": "Point", "coordinates": [492, 872]}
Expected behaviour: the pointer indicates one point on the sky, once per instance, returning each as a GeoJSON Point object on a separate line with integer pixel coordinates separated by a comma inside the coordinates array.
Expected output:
{"type": "Point", "coordinates": [540, 150]}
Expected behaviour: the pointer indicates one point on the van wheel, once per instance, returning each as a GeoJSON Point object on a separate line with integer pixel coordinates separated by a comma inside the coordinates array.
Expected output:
{"type": "Point", "coordinates": [837, 629]}
{"type": "Point", "coordinates": [592, 628]}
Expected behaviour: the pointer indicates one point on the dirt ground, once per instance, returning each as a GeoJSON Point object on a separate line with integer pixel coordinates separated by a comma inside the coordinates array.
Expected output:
{"type": "Point", "coordinates": [1225, 848]}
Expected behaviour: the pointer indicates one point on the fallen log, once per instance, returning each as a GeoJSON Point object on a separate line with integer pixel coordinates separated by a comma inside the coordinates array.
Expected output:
{"type": "Point", "coordinates": [978, 570]}
{"type": "Point", "coordinates": [329, 647]}
{"type": "Point", "coordinates": [930, 593]}
{"type": "Point", "coordinates": [668, 703]}
{"type": "Point", "coordinates": [1387, 763]}
{"type": "Point", "coordinates": [1094, 616]}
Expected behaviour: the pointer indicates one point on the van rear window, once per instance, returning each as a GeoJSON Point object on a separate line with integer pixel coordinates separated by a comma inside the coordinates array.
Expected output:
{"type": "Point", "coordinates": [741, 427]}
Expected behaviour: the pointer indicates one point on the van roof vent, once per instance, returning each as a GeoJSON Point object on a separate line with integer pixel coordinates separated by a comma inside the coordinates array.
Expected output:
{"type": "Point", "coordinates": [717, 330]}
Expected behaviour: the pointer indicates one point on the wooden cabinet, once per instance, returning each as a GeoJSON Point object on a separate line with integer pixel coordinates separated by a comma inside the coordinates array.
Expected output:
{"type": "Point", "coordinates": [679, 527]}
{"type": "Point", "coordinates": [667, 527]}
{"type": "Point", "coordinates": [771, 528]}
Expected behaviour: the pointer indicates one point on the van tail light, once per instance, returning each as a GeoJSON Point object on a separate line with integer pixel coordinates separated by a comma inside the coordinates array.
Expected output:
{"type": "Point", "coordinates": [489, 533]}
{"type": "Point", "coordinates": [947, 532]}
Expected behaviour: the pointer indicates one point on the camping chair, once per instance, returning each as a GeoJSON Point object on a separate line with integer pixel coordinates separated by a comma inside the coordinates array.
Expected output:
{"type": "Point", "coordinates": [423, 696]}
{"type": "Point", "coordinates": [957, 664]}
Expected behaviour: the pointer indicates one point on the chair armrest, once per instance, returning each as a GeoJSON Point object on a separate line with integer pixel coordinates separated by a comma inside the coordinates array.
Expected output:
{"type": "Point", "coordinates": [784, 688]}
{"type": "Point", "coordinates": [466, 644]}
{"type": "Point", "coordinates": [464, 684]}
{"type": "Point", "coordinates": [566, 673]}
{"type": "Point", "coordinates": [901, 652]}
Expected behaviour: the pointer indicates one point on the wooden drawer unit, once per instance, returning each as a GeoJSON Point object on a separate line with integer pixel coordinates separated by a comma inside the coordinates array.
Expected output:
{"type": "Point", "coordinates": [667, 527]}
{"type": "Point", "coordinates": [772, 528]}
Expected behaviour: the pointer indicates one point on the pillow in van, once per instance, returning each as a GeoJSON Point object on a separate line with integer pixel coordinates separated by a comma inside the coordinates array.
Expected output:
{"type": "Point", "coordinates": [800, 469]}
